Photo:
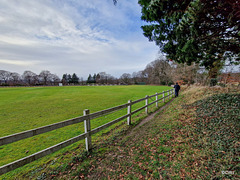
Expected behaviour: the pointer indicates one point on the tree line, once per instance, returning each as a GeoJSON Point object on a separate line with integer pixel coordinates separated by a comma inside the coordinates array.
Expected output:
{"type": "Point", "coordinates": [164, 72]}
{"type": "Point", "coordinates": [28, 78]}
{"type": "Point", "coordinates": [157, 72]}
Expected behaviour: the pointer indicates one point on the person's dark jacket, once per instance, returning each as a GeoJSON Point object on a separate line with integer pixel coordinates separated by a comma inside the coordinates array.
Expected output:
{"type": "Point", "coordinates": [177, 87]}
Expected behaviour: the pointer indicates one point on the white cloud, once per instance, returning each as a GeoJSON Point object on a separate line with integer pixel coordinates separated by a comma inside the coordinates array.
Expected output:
{"type": "Point", "coordinates": [17, 62]}
{"type": "Point", "coordinates": [85, 36]}
{"type": "Point", "coordinates": [16, 40]}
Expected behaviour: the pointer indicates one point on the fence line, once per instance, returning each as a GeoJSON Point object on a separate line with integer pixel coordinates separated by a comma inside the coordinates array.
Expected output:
{"type": "Point", "coordinates": [86, 118]}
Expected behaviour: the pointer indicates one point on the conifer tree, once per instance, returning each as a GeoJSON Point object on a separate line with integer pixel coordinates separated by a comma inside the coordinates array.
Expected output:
{"type": "Point", "coordinates": [201, 31]}
{"type": "Point", "coordinates": [89, 78]}
{"type": "Point", "coordinates": [94, 78]}
{"type": "Point", "coordinates": [75, 78]}
{"type": "Point", "coordinates": [69, 78]}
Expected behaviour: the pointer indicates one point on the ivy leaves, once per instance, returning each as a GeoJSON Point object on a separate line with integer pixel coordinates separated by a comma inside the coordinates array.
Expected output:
{"type": "Point", "coordinates": [218, 122]}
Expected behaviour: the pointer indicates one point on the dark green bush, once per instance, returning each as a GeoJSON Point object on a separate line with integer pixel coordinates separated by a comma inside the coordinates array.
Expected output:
{"type": "Point", "coordinates": [213, 82]}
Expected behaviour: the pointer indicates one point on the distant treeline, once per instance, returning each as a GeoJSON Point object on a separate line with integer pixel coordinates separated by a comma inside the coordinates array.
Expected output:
{"type": "Point", "coordinates": [159, 72]}
{"type": "Point", "coordinates": [28, 78]}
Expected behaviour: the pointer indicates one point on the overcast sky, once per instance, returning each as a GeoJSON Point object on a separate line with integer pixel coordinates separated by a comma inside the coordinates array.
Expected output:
{"type": "Point", "coordinates": [73, 36]}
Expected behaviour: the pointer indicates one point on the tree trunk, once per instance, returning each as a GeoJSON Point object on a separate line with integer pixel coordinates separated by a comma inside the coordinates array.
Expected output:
{"type": "Point", "coordinates": [214, 69]}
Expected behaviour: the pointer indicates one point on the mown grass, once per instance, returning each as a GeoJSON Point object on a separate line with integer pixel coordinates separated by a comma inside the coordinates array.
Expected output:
{"type": "Point", "coordinates": [27, 108]}
{"type": "Point", "coordinates": [179, 143]}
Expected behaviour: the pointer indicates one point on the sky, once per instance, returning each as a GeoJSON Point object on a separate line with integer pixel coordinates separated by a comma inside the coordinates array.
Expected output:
{"type": "Point", "coordinates": [73, 36]}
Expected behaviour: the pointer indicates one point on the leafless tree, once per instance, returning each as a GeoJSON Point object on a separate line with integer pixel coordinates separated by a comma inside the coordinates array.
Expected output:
{"type": "Point", "coordinates": [29, 77]}
{"type": "Point", "coordinates": [126, 78]}
{"type": "Point", "coordinates": [189, 74]}
{"type": "Point", "coordinates": [139, 77]}
{"type": "Point", "coordinates": [111, 79]}
{"type": "Point", "coordinates": [105, 78]}
{"type": "Point", "coordinates": [54, 79]}
{"type": "Point", "coordinates": [4, 76]}
{"type": "Point", "coordinates": [158, 72]}
{"type": "Point", "coordinates": [15, 78]}
{"type": "Point", "coordinates": [45, 76]}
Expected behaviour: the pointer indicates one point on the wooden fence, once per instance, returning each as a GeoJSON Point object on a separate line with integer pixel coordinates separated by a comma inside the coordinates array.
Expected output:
{"type": "Point", "coordinates": [86, 118]}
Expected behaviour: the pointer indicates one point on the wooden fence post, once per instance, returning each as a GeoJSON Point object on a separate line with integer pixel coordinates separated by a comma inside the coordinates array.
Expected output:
{"type": "Point", "coordinates": [172, 93]}
{"type": "Point", "coordinates": [168, 95]}
{"type": "Point", "coordinates": [146, 103]}
{"type": "Point", "coordinates": [163, 97]}
{"type": "Point", "coordinates": [129, 112]}
{"type": "Point", "coordinates": [156, 99]}
{"type": "Point", "coordinates": [87, 127]}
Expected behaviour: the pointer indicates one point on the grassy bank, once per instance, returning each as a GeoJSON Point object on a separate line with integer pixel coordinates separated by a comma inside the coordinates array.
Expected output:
{"type": "Point", "coordinates": [196, 137]}
{"type": "Point", "coordinates": [27, 108]}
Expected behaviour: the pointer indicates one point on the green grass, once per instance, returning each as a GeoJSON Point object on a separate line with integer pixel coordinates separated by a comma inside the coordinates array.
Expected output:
{"type": "Point", "coordinates": [27, 108]}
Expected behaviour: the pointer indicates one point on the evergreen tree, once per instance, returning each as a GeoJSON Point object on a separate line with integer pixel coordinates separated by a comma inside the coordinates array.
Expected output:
{"type": "Point", "coordinates": [64, 79]}
{"type": "Point", "coordinates": [89, 78]}
{"type": "Point", "coordinates": [201, 31]}
{"type": "Point", "coordinates": [94, 78]}
{"type": "Point", "coordinates": [75, 78]}
{"type": "Point", "coordinates": [69, 78]}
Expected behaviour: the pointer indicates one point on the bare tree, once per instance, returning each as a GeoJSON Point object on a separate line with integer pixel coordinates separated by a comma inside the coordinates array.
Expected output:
{"type": "Point", "coordinates": [139, 77]}
{"type": "Point", "coordinates": [158, 72]}
{"type": "Point", "coordinates": [4, 76]}
{"type": "Point", "coordinates": [45, 75]}
{"type": "Point", "coordinates": [135, 77]}
{"type": "Point", "coordinates": [111, 79]}
{"type": "Point", "coordinates": [189, 74]}
{"type": "Point", "coordinates": [104, 77]}
{"type": "Point", "coordinates": [126, 78]}
{"type": "Point", "coordinates": [55, 79]}
{"type": "Point", "coordinates": [29, 77]}
{"type": "Point", "coordinates": [15, 78]}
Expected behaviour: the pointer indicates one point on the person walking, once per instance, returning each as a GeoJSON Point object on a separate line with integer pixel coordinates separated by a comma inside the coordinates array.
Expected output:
{"type": "Point", "coordinates": [177, 88]}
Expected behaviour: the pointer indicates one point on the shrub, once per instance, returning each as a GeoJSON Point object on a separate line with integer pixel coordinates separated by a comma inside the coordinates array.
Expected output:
{"type": "Point", "coordinates": [213, 82]}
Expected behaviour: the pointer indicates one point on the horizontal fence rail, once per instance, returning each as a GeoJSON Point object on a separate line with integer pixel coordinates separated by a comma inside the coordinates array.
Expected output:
{"type": "Point", "coordinates": [26, 134]}
{"type": "Point", "coordinates": [86, 118]}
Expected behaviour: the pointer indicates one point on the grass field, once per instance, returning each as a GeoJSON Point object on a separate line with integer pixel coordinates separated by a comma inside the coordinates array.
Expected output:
{"type": "Point", "coordinates": [27, 108]}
